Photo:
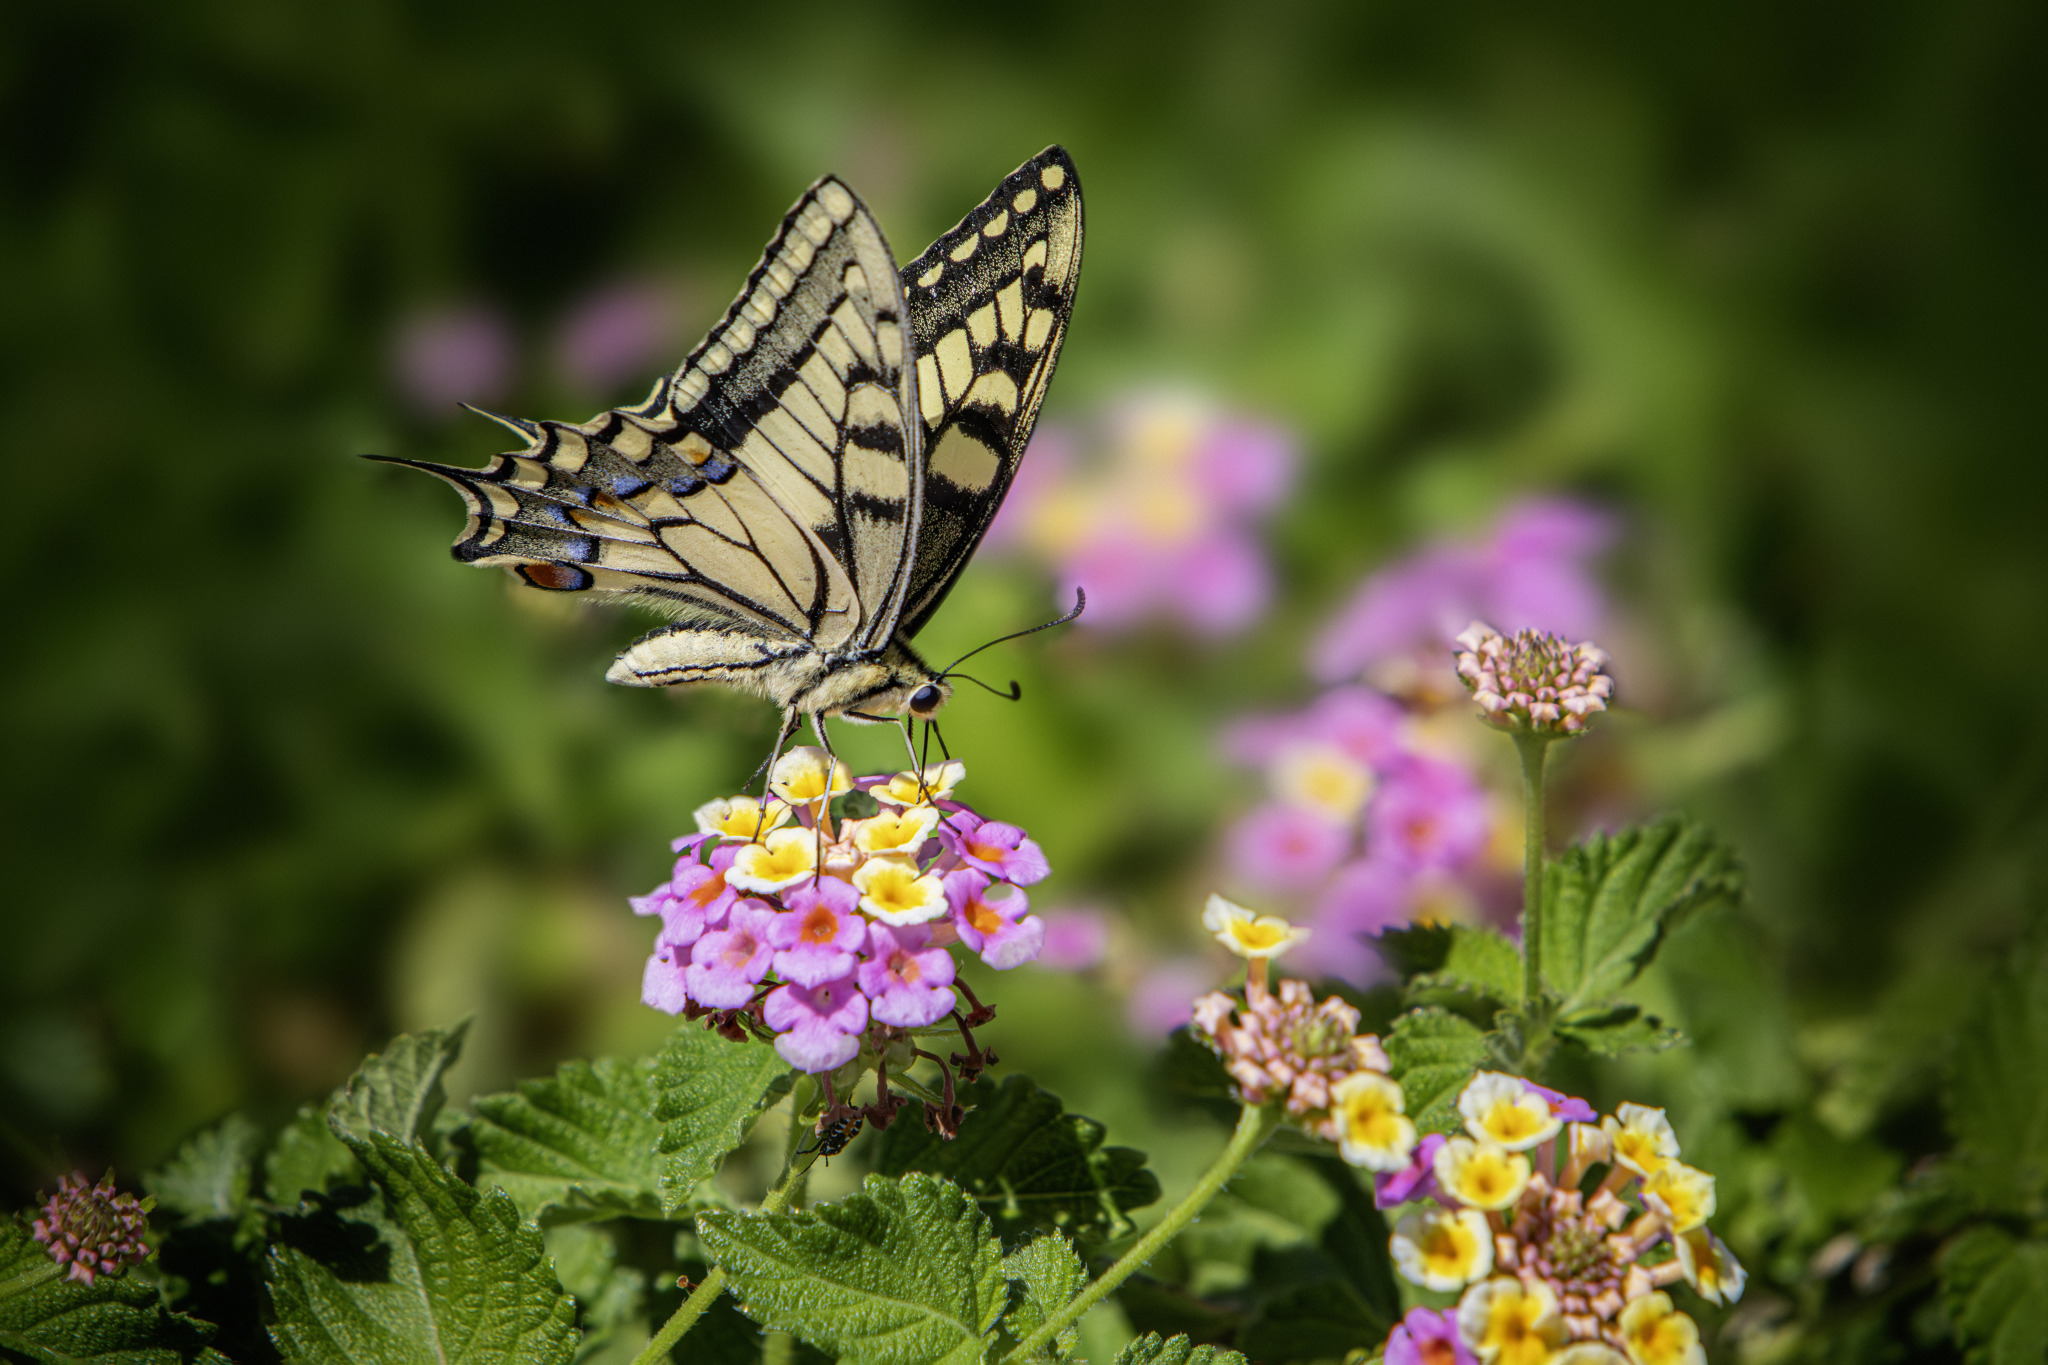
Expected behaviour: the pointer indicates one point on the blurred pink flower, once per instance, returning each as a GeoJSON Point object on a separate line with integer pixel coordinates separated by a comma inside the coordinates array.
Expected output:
{"type": "Point", "coordinates": [1280, 847]}
{"type": "Point", "coordinates": [1218, 585]}
{"type": "Point", "coordinates": [621, 332]}
{"type": "Point", "coordinates": [1363, 723]}
{"type": "Point", "coordinates": [1048, 463]}
{"type": "Point", "coordinates": [1075, 939]}
{"type": "Point", "coordinates": [453, 355]}
{"type": "Point", "coordinates": [1245, 464]}
{"type": "Point", "coordinates": [1164, 997]}
{"type": "Point", "coordinates": [1532, 571]}
{"type": "Point", "coordinates": [1428, 813]}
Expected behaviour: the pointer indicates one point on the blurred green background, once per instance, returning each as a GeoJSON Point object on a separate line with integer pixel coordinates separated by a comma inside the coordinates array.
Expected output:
{"type": "Point", "coordinates": [282, 780]}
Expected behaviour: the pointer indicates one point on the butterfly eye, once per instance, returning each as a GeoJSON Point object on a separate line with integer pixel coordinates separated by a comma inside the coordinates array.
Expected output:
{"type": "Point", "coordinates": [925, 700]}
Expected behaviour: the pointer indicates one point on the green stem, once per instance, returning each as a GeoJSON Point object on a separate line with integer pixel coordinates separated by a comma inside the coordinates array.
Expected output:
{"type": "Point", "coordinates": [790, 1185]}
{"type": "Point", "coordinates": [1531, 747]}
{"type": "Point", "coordinates": [1254, 1126]}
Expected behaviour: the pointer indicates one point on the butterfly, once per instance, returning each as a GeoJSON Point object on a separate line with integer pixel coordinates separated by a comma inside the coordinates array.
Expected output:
{"type": "Point", "coordinates": [802, 493]}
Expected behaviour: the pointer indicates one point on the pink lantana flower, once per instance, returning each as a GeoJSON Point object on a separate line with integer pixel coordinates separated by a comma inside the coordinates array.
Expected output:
{"type": "Point", "coordinates": [726, 964]}
{"type": "Point", "coordinates": [695, 900]}
{"type": "Point", "coordinates": [817, 939]}
{"type": "Point", "coordinates": [1075, 939]}
{"type": "Point", "coordinates": [997, 928]}
{"type": "Point", "coordinates": [662, 982]}
{"type": "Point", "coordinates": [904, 977]}
{"type": "Point", "coordinates": [817, 1027]}
{"type": "Point", "coordinates": [993, 847]}
{"type": "Point", "coordinates": [1429, 1336]}
{"type": "Point", "coordinates": [1415, 1181]}
{"type": "Point", "coordinates": [1569, 1108]}
{"type": "Point", "coordinates": [1283, 847]}
{"type": "Point", "coordinates": [1428, 814]}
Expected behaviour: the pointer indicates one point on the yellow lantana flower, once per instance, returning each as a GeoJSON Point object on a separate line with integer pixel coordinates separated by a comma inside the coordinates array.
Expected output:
{"type": "Point", "coordinates": [1372, 1129]}
{"type": "Point", "coordinates": [1484, 1175]}
{"type": "Point", "coordinates": [934, 783]}
{"type": "Point", "coordinates": [1500, 1109]}
{"type": "Point", "coordinates": [1507, 1321]}
{"type": "Point", "coordinates": [1709, 1267]}
{"type": "Point", "coordinates": [896, 893]}
{"type": "Point", "coordinates": [741, 817]}
{"type": "Point", "coordinates": [1246, 934]}
{"type": "Point", "coordinates": [1655, 1334]}
{"type": "Point", "coordinates": [783, 859]}
{"type": "Point", "coordinates": [1681, 1193]}
{"type": "Point", "coordinates": [800, 776]}
{"type": "Point", "coordinates": [896, 833]}
{"type": "Point", "coordinates": [1322, 778]}
{"type": "Point", "coordinates": [1642, 1138]}
{"type": "Point", "coordinates": [1441, 1250]}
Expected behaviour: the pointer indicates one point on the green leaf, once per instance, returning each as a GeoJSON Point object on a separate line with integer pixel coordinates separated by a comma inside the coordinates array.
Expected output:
{"type": "Point", "coordinates": [426, 1271]}
{"type": "Point", "coordinates": [1414, 949]}
{"type": "Point", "coordinates": [611, 1298]}
{"type": "Point", "coordinates": [306, 1156]}
{"type": "Point", "coordinates": [1998, 1106]}
{"type": "Point", "coordinates": [1995, 1288]}
{"type": "Point", "coordinates": [1609, 901]}
{"type": "Point", "coordinates": [1434, 1053]}
{"type": "Point", "coordinates": [710, 1090]}
{"type": "Point", "coordinates": [210, 1175]}
{"type": "Point", "coordinates": [579, 1144]}
{"type": "Point", "coordinates": [1322, 1321]}
{"type": "Point", "coordinates": [1028, 1162]}
{"type": "Point", "coordinates": [1481, 962]}
{"type": "Point", "coordinates": [117, 1318]}
{"type": "Point", "coordinates": [1612, 1029]}
{"type": "Point", "coordinates": [1051, 1274]}
{"type": "Point", "coordinates": [1150, 1350]}
{"type": "Point", "coordinates": [900, 1271]}
{"type": "Point", "coordinates": [1355, 1239]}
{"type": "Point", "coordinates": [398, 1092]}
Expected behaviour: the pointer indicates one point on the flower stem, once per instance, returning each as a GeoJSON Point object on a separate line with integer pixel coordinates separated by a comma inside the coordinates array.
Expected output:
{"type": "Point", "coordinates": [1531, 747]}
{"type": "Point", "coordinates": [795, 1167]}
{"type": "Point", "coordinates": [1254, 1125]}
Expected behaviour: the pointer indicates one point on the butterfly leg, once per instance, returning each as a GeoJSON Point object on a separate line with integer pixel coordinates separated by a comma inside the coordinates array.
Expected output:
{"type": "Point", "coordinates": [831, 771]}
{"type": "Point", "coordinates": [766, 772]}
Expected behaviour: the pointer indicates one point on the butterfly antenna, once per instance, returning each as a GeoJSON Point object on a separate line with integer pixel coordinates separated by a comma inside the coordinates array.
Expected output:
{"type": "Point", "coordinates": [1014, 692]}
{"type": "Point", "coordinates": [1080, 602]}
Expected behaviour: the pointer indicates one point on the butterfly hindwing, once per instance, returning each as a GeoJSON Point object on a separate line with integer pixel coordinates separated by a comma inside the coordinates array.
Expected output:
{"type": "Point", "coordinates": [768, 489]}
{"type": "Point", "coordinates": [989, 305]}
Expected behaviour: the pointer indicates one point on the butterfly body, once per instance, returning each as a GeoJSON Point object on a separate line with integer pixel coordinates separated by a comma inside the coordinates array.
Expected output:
{"type": "Point", "coordinates": [801, 494]}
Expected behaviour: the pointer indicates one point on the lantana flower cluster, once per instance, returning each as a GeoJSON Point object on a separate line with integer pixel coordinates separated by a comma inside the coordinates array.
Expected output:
{"type": "Point", "coordinates": [779, 922]}
{"type": "Point", "coordinates": [1284, 1046]}
{"type": "Point", "coordinates": [93, 1229]}
{"type": "Point", "coordinates": [1548, 1274]}
{"type": "Point", "coordinates": [1532, 682]}
{"type": "Point", "coordinates": [1379, 811]}
{"type": "Point", "coordinates": [1154, 512]}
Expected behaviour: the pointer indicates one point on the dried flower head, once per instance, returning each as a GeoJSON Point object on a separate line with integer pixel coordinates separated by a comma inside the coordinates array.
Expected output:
{"type": "Point", "coordinates": [1532, 682]}
{"type": "Point", "coordinates": [92, 1229]}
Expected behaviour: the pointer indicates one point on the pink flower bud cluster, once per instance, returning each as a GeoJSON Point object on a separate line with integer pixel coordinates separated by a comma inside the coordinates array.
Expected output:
{"type": "Point", "coordinates": [1532, 682]}
{"type": "Point", "coordinates": [1289, 1046]}
{"type": "Point", "coordinates": [92, 1229]}
{"type": "Point", "coordinates": [818, 941]}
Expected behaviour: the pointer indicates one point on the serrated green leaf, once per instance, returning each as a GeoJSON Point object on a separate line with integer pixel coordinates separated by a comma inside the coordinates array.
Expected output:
{"type": "Point", "coordinates": [118, 1318]}
{"type": "Point", "coordinates": [1609, 901]}
{"type": "Point", "coordinates": [1995, 1287]}
{"type": "Point", "coordinates": [209, 1176]}
{"type": "Point", "coordinates": [1028, 1162]}
{"type": "Point", "coordinates": [901, 1271]}
{"type": "Point", "coordinates": [710, 1091]}
{"type": "Point", "coordinates": [1612, 1029]}
{"type": "Point", "coordinates": [1481, 962]}
{"type": "Point", "coordinates": [1414, 949]}
{"type": "Point", "coordinates": [1151, 1350]}
{"type": "Point", "coordinates": [306, 1156]}
{"type": "Point", "coordinates": [1050, 1274]}
{"type": "Point", "coordinates": [579, 1144]}
{"type": "Point", "coordinates": [1998, 1106]}
{"type": "Point", "coordinates": [427, 1271]}
{"type": "Point", "coordinates": [398, 1092]}
{"type": "Point", "coordinates": [1434, 1053]}
{"type": "Point", "coordinates": [1323, 1321]}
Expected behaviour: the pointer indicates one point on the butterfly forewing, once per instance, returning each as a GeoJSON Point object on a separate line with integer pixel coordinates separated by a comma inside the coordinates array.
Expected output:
{"type": "Point", "coordinates": [989, 304]}
{"type": "Point", "coordinates": [768, 486]}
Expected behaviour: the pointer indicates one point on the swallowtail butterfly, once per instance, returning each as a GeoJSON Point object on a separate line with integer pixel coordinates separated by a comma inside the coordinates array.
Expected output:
{"type": "Point", "coordinates": [804, 491]}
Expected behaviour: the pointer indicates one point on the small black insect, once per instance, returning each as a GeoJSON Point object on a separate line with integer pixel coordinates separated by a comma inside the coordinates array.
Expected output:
{"type": "Point", "coordinates": [833, 1137]}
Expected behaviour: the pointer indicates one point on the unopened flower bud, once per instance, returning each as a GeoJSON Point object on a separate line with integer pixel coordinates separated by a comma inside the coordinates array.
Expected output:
{"type": "Point", "coordinates": [1531, 682]}
{"type": "Point", "coordinates": [92, 1229]}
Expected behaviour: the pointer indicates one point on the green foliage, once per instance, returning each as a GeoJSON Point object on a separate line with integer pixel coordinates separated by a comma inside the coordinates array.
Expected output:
{"type": "Point", "coordinates": [1617, 1027]}
{"type": "Point", "coordinates": [306, 1156]}
{"type": "Point", "coordinates": [903, 1271]}
{"type": "Point", "coordinates": [1997, 1094]}
{"type": "Point", "coordinates": [1048, 1274]}
{"type": "Point", "coordinates": [1434, 1053]}
{"type": "Point", "coordinates": [210, 1175]}
{"type": "Point", "coordinates": [1151, 1350]}
{"type": "Point", "coordinates": [1995, 1287]}
{"type": "Point", "coordinates": [1483, 963]}
{"type": "Point", "coordinates": [399, 1091]}
{"type": "Point", "coordinates": [428, 1270]}
{"type": "Point", "coordinates": [579, 1144]}
{"type": "Point", "coordinates": [1028, 1162]}
{"type": "Point", "coordinates": [1323, 1321]}
{"type": "Point", "coordinates": [1610, 900]}
{"type": "Point", "coordinates": [709, 1092]}
{"type": "Point", "coordinates": [118, 1319]}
